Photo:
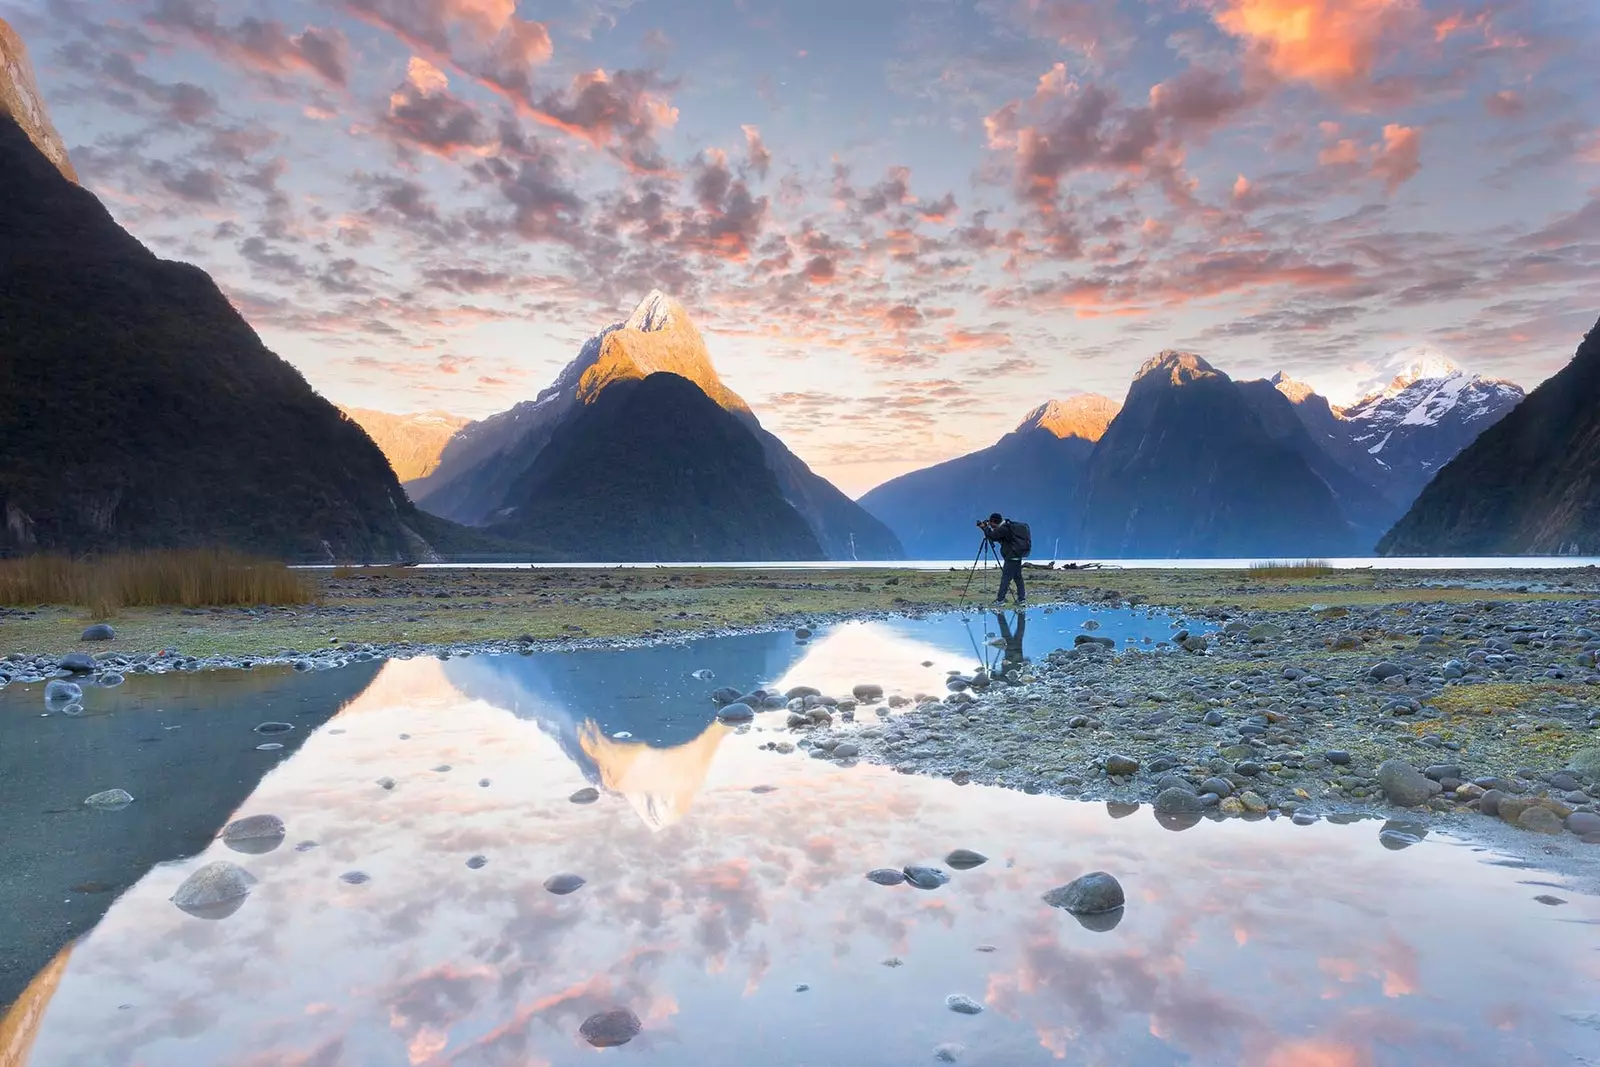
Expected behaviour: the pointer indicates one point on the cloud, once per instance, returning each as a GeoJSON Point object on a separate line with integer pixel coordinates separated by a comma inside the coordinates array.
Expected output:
{"type": "Point", "coordinates": [1399, 159]}
{"type": "Point", "coordinates": [758, 158]}
{"type": "Point", "coordinates": [423, 113]}
{"type": "Point", "coordinates": [1334, 45]}
{"type": "Point", "coordinates": [263, 45]}
{"type": "Point", "coordinates": [623, 110]}
{"type": "Point", "coordinates": [1505, 104]}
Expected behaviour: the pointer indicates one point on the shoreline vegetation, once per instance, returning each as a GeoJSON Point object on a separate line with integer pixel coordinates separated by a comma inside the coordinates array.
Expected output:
{"type": "Point", "coordinates": [217, 603]}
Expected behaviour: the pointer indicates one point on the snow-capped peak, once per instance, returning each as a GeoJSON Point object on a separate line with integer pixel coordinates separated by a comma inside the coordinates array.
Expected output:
{"type": "Point", "coordinates": [19, 98]}
{"type": "Point", "coordinates": [657, 311]}
{"type": "Point", "coordinates": [1420, 364]}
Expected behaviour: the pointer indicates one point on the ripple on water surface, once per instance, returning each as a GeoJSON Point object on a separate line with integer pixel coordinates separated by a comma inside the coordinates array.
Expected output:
{"type": "Point", "coordinates": [707, 901]}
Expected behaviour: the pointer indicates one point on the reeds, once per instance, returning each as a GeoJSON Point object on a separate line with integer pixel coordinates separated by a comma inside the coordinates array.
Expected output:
{"type": "Point", "coordinates": [191, 578]}
{"type": "Point", "coordinates": [1305, 568]}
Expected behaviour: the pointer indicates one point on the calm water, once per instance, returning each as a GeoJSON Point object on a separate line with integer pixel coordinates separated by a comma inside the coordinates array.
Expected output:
{"type": "Point", "coordinates": [1396, 563]}
{"type": "Point", "coordinates": [708, 904]}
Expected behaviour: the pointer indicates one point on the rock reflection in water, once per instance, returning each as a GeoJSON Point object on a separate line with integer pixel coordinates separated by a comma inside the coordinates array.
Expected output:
{"type": "Point", "coordinates": [1263, 944]}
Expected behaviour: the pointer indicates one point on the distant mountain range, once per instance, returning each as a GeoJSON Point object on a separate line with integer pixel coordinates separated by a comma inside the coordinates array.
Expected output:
{"type": "Point", "coordinates": [140, 409]}
{"type": "Point", "coordinates": [411, 443]}
{"type": "Point", "coordinates": [1196, 464]}
{"type": "Point", "coordinates": [1528, 485]}
{"type": "Point", "coordinates": [1034, 471]}
{"type": "Point", "coordinates": [487, 469]}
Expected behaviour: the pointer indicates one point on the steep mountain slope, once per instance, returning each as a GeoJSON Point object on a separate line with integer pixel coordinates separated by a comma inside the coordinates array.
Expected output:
{"type": "Point", "coordinates": [1398, 436]}
{"type": "Point", "coordinates": [654, 469]}
{"type": "Point", "coordinates": [1424, 418]}
{"type": "Point", "coordinates": [411, 443]}
{"type": "Point", "coordinates": [1530, 484]}
{"type": "Point", "coordinates": [138, 409]}
{"type": "Point", "coordinates": [19, 98]}
{"type": "Point", "coordinates": [1187, 468]}
{"type": "Point", "coordinates": [1032, 473]}
{"type": "Point", "coordinates": [485, 460]}
{"type": "Point", "coordinates": [1369, 512]}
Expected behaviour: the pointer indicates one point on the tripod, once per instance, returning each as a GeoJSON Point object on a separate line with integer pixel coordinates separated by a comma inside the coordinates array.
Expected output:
{"type": "Point", "coordinates": [984, 546]}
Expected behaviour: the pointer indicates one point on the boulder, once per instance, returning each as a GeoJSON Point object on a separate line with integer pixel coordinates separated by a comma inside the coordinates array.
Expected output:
{"type": "Point", "coordinates": [1541, 820]}
{"type": "Point", "coordinates": [1177, 801]}
{"type": "Point", "coordinates": [100, 631]}
{"type": "Point", "coordinates": [215, 891]}
{"type": "Point", "coordinates": [1586, 761]}
{"type": "Point", "coordinates": [1403, 785]}
{"type": "Point", "coordinates": [608, 1029]}
{"type": "Point", "coordinates": [1092, 894]}
{"type": "Point", "coordinates": [1121, 765]}
{"type": "Point", "coordinates": [736, 712]}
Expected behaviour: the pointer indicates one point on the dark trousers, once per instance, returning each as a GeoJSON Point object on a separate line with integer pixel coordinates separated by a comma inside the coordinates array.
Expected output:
{"type": "Point", "coordinates": [1011, 571]}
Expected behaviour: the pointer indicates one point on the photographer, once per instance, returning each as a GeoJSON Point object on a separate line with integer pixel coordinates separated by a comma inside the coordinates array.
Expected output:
{"type": "Point", "coordinates": [1015, 542]}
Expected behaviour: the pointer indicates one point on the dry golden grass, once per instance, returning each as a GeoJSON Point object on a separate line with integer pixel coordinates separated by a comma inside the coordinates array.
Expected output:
{"type": "Point", "coordinates": [188, 578]}
{"type": "Point", "coordinates": [1305, 568]}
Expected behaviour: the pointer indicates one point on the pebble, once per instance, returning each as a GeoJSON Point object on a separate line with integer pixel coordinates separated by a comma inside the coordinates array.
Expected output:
{"type": "Point", "coordinates": [608, 1029]}
{"type": "Point", "coordinates": [355, 877]}
{"type": "Point", "coordinates": [587, 795]}
{"type": "Point", "coordinates": [925, 877]}
{"type": "Point", "coordinates": [1121, 766]}
{"type": "Point", "coordinates": [964, 859]}
{"type": "Point", "coordinates": [100, 631]}
{"type": "Point", "coordinates": [215, 890]}
{"type": "Point", "coordinates": [962, 1005]}
{"type": "Point", "coordinates": [562, 884]}
{"type": "Point", "coordinates": [254, 834]}
{"type": "Point", "coordinates": [886, 876]}
{"type": "Point", "coordinates": [477, 862]}
{"type": "Point", "coordinates": [109, 800]}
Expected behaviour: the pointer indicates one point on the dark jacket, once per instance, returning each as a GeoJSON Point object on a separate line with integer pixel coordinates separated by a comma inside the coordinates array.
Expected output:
{"type": "Point", "coordinates": [1002, 535]}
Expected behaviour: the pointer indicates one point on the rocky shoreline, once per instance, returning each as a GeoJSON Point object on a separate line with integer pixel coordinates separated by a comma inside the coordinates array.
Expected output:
{"type": "Point", "coordinates": [1443, 710]}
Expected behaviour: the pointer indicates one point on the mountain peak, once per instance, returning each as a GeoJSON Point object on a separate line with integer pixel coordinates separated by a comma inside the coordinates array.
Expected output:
{"type": "Point", "coordinates": [657, 337]}
{"type": "Point", "coordinates": [1085, 415]}
{"type": "Point", "coordinates": [1294, 389]}
{"type": "Point", "coordinates": [657, 311]}
{"type": "Point", "coordinates": [1179, 368]}
{"type": "Point", "coordinates": [1419, 364]}
{"type": "Point", "coordinates": [19, 98]}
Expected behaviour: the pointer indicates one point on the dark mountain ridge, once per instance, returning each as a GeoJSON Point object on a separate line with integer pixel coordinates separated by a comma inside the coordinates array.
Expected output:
{"type": "Point", "coordinates": [1033, 473]}
{"type": "Point", "coordinates": [1529, 485]}
{"type": "Point", "coordinates": [654, 469]}
{"type": "Point", "coordinates": [138, 409]}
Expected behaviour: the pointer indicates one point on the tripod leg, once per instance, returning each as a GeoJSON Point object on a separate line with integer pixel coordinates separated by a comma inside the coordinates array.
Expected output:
{"type": "Point", "coordinates": [974, 569]}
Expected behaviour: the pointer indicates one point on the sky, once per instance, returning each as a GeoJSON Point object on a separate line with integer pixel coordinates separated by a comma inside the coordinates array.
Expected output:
{"type": "Point", "coordinates": [901, 224]}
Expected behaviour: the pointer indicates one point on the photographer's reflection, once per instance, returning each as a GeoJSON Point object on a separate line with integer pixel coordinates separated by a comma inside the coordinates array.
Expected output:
{"type": "Point", "coordinates": [1011, 632]}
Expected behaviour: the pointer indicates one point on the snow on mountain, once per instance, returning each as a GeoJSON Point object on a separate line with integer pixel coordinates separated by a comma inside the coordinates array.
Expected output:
{"type": "Point", "coordinates": [19, 98]}
{"type": "Point", "coordinates": [1428, 391]}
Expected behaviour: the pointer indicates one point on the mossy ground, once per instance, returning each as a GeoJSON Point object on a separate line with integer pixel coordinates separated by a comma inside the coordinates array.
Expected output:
{"type": "Point", "coordinates": [385, 605]}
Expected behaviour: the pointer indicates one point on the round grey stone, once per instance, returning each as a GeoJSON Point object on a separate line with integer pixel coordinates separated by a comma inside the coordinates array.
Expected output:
{"type": "Point", "coordinates": [587, 795]}
{"type": "Point", "coordinates": [886, 876]}
{"type": "Point", "coordinates": [1121, 765]}
{"type": "Point", "coordinates": [962, 1005]}
{"type": "Point", "coordinates": [100, 631]}
{"type": "Point", "coordinates": [214, 891]}
{"type": "Point", "coordinates": [926, 877]}
{"type": "Point", "coordinates": [1091, 894]}
{"type": "Point", "coordinates": [608, 1029]}
{"type": "Point", "coordinates": [562, 884]}
{"type": "Point", "coordinates": [964, 859]}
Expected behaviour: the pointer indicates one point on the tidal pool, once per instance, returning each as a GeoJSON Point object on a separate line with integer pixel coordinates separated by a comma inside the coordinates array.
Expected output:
{"type": "Point", "coordinates": [723, 904]}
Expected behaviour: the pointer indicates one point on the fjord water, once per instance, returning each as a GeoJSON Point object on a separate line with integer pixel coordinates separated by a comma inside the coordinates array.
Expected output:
{"type": "Point", "coordinates": [720, 879]}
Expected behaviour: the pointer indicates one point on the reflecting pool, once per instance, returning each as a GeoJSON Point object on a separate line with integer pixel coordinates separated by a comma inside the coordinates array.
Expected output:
{"type": "Point", "coordinates": [723, 902]}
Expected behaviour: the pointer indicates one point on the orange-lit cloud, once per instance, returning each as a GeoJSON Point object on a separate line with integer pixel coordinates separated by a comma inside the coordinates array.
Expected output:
{"type": "Point", "coordinates": [1329, 43]}
{"type": "Point", "coordinates": [1400, 157]}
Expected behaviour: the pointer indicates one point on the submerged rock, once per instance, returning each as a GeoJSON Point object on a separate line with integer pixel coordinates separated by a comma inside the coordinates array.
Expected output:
{"type": "Point", "coordinates": [962, 1005]}
{"type": "Point", "coordinates": [477, 862]}
{"type": "Point", "coordinates": [587, 795]}
{"type": "Point", "coordinates": [58, 693]}
{"type": "Point", "coordinates": [964, 859]}
{"type": "Point", "coordinates": [274, 727]}
{"type": "Point", "coordinates": [355, 877]}
{"type": "Point", "coordinates": [254, 834]}
{"type": "Point", "coordinates": [926, 877]}
{"type": "Point", "coordinates": [109, 800]}
{"type": "Point", "coordinates": [1092, 894]}
{"type": "Point", "coordinates": [215, 891]}
{"type": "Point", "coordinates": [562, 884]}
{"type": "Point", "coordinates": [886, 876]}
{"type": "Point", "coordinates": [608, 1029]}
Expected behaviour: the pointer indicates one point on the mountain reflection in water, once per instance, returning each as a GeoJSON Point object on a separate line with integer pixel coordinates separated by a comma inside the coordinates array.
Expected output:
{"type": "Point", "coordinates": [1243, 943]}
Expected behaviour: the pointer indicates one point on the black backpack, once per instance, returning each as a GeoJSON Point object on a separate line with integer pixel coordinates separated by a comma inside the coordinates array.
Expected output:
{"type": "Point", "coordinates": [1021, 538]}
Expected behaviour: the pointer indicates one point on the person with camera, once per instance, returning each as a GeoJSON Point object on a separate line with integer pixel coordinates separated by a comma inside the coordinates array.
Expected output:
{"type": "Point", "coordinates": [1015, 541]}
